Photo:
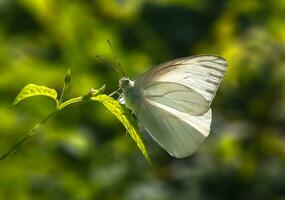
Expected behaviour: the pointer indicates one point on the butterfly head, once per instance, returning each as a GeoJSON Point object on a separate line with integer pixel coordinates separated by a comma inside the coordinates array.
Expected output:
{"type": "Point", "coordinates": [129, 95]}
{"type": "Point", "coordinates": [125, 84]}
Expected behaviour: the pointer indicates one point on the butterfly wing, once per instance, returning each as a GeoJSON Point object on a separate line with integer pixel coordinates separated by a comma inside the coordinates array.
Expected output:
{"type": "Point", "coordinates": [201, 73]}
{"type": "Point", "coordinates": [179, 133]}
{"type": "Point", "coordinates": [174, 101]}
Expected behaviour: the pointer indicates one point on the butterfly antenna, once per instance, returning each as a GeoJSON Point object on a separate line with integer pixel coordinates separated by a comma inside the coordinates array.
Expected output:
{"type": "Point", "coordinates": [118, 67]}
{"type": "Point", "coordinates": [105, 62]}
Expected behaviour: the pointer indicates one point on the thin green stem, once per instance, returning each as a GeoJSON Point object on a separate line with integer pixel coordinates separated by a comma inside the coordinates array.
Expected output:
{"type": "Point", "coordinates": [67, 80]}
{"type": "Point", "coordinates": [62, 93]}
{"type": "Point", "coordinates": [27, 136]}
{"type": "Point", "coordinates": [70, 101]}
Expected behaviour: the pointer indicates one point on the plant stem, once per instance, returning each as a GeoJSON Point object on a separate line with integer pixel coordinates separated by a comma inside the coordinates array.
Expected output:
{"type": "Point", "coordinates": [62, 93]}
{"type": "Point", "coordinates": [70, 101]}
{"type": "Point", "coordinates": [27, 136]}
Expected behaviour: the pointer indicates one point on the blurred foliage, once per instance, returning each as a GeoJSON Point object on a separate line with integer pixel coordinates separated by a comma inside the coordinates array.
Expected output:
{"type": "Point", "coordinates": [83, 153]}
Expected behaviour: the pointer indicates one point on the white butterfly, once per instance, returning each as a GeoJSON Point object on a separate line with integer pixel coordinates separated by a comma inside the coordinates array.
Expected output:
{"type": "Point", "coordinates": [172, 101]}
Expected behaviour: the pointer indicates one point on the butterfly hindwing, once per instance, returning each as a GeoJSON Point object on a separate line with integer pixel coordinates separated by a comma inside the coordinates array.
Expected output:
{"type": "Point", "coordinates": [179, 133]}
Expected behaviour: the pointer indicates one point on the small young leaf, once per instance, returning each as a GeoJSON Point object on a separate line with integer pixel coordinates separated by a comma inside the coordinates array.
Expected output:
{"type": "Point", "coordinates": [31, 90]}
{"type": "Point", "coordinates": [125, 117]}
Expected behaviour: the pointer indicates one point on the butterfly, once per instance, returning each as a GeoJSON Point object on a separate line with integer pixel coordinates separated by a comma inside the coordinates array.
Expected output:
{"type": "Point", "coordinates": [172, 101]}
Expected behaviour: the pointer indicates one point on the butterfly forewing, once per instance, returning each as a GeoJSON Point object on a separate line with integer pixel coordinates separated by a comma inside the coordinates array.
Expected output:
{"type": "Point", "coordinates": [201, 73]}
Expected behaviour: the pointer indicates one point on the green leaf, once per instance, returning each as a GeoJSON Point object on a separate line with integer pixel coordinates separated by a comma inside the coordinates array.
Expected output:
{"type": "Point", "coordinates": [125, 117]}
{"type": "Point", "coordinates": [31, 90]}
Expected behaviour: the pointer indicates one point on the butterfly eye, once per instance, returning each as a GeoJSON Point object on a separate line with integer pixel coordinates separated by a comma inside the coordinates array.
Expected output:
{"type": "Point", "coordinates": [124, 83]}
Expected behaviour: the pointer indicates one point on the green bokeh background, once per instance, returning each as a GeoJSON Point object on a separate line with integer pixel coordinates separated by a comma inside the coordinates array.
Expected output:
{"type": "Point", "coordinates": [84, 153]}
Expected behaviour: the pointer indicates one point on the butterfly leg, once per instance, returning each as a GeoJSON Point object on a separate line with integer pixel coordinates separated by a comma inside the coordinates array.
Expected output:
{"type": "Point", "coordinates": [115, 92]}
